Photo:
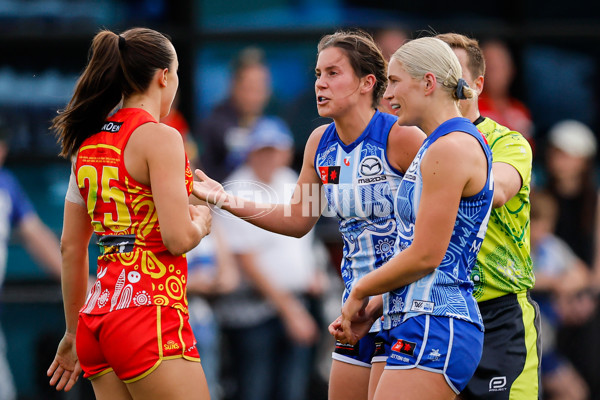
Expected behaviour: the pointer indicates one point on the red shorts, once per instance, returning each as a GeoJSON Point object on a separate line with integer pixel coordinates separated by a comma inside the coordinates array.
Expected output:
{"type": "Point", "coordinates": [132, 342]}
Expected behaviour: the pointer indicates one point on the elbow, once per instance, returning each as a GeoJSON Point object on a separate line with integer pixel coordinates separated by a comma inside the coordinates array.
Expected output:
{"type": "Point", "coordinates": [177, 248]}
{"type": "Point", "coordinates": [180, 244]}
{"type": "Point", "coordinates": [300, 229]}
{"type": "Point", "coordinates": [499, 200]}
{"type": "Point", "coordinates": [428, 263]}
{"type": "Point", "coordinates": [299, 233]}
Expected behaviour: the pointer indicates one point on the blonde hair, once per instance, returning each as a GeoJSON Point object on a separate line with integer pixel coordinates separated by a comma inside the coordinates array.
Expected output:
{"type": "Point", "coordinates": [429, 54]}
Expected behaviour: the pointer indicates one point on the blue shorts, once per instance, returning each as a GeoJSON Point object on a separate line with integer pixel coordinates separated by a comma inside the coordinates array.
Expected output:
{"type": "Point", "coordinates": [368, 350]}
{"type": "Point", "coordinates": [443, 345]}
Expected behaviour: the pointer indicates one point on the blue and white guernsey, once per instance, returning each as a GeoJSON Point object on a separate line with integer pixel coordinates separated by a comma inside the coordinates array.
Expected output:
{"type": "Point", "coordinates": [360, 186]}
{"type": "Point", "coordinates": [447, 291]}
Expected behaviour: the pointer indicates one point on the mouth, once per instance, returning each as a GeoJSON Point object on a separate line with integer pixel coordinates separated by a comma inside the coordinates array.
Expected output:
{"type": "Point", "coordinates": [322, 100]}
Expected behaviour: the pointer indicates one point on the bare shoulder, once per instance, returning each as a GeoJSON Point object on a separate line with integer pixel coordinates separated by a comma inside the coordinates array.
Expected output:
{"type": "Point", "coordinates": [159, 131]}
{"type": "Point", "coordinates": [400, 134]}
{"type": "Point", "coordinates": [156, 137]}
{"type": "Point", "coordinates": [454, 151]}
{"type": "Point", "coordinates": [403, 144]}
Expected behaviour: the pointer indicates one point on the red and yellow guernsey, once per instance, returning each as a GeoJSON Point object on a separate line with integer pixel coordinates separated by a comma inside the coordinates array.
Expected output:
{"type": "Point", "coordinates": [134, 267]}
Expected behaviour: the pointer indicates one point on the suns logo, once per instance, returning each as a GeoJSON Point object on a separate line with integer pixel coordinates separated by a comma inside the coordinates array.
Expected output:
{"type": "Point", "coordinates": [171, 345]}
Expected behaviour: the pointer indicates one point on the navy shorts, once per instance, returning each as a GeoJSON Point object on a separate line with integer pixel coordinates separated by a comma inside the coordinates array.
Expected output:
{"type": "Point", "coordinates": [447, 346]}
{"type": "Point", "coordinates": [368, 350]}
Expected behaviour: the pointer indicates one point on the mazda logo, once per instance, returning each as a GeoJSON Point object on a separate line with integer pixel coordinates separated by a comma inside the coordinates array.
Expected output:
{"type": "Point", "coordinates": [370, 166]}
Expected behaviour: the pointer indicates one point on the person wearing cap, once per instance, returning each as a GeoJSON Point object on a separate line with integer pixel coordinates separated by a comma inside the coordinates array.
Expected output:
{"type": "Point", "coordinates": [503, 275]}
{"type": "Point", "coordinates": [570, 179]}
{"type": "Point", "coordinates": [268, 329]}
{"type": "Point", "coordinates": [17, 213]}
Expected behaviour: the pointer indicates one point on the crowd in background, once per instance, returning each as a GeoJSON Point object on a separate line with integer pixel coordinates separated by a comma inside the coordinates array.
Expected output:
{"type": "Point", "coordinates": [271, 320]}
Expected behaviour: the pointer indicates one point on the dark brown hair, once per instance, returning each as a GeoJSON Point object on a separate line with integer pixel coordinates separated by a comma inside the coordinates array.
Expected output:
{"type": "Point", "coordinates": [476, 62]}
{"type": "Point", "coordinates": [364, 55]}
{"type": "Point", "coordinates": [118, 66]}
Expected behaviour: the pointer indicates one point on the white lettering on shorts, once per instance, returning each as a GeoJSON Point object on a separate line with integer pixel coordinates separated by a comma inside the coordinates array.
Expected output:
{"type": "Point", "coordinates": [497, 384]}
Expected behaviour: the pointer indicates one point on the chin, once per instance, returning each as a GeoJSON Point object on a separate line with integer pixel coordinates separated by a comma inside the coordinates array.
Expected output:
{"type": "Point", "coordinates": [324, 113]}
{"type": "Point", "coordinates": [402, 122]}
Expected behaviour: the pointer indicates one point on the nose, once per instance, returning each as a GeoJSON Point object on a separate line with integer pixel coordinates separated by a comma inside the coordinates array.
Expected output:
{"type": "Point", "coordinates": [388, 94]}
{"type": "Point", "coordinates": [320, 82]}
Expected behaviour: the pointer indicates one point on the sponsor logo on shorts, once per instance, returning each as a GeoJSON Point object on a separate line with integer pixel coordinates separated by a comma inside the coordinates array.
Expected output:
{"type": "Point", "coordinates": [171, 345]}
{"type": "Point", "coordinates": [404, 347]}
{"type": "Point", "coordinates": [422, 306]}
{"type": "Point", "coordinates": [400, 358]}
{"type": "Point", "coordinates": [347, 349]}
{"type": "Point", "coordinates": [434, 355]}
{"type": "Point", "coordinates": [190, 348]}
{"type": "Point", "coordinates": [498, 384]}
{"type": "Point", "coordinates": [379, 347]}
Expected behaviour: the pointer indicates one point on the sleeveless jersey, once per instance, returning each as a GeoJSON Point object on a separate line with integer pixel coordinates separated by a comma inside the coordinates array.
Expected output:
{"type": "Point", "coordinates": [360, 186]}
{"type": "Point", "coordinates": [447, 291]}
{"type": "Point", "coordinates": [134, 266]}
{"type": "Point", "coordinates": [504, 264]}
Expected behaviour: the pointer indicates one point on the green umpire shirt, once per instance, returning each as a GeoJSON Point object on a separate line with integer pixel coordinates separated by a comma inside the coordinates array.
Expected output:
{"type": "Point", "coordinates": [504, 263]}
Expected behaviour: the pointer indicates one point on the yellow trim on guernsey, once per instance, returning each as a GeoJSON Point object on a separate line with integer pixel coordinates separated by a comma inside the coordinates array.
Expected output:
{"type": "Point", "coordinates": [104, 146]}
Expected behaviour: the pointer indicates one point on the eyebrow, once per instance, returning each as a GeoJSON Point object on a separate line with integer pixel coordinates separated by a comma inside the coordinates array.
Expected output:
{"type": "Point", "coordinates": [329, 67]}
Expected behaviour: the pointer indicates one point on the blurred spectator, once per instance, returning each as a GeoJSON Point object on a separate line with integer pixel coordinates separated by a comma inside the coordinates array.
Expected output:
{"type": "Point", "coordinates": [496, 101]}
{"type": "Point", "coordinates": [224, 133]}
{"type": "Point", "coordinates": [18, 214]}
{"type": "Point", "coordinates": [268, 328]}
{"type": "Point", "coordinates": [561, 290]}
{"type": "Point", "coordinates": [571, 181]}
{"type": "Point", "coordinates": [177, 120]}
{"type": "Point", "coordinates": [211, 272]}
{"type": "Point", "coordinates": [389, 40]}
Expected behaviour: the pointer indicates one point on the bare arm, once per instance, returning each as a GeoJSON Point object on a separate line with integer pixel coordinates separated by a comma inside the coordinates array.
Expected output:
{"type": "Point", "coordinates": [507, 183]}
{"type": "Point", "coordinates": [182, 225]}
{"type": "Point", "coordinates": [403, 144]}
{"type": "Point", "coordinates": [41, 243]}
{"type": "Point", "coordinates": [77, 231]}
{"type": "Point", "coordinates": [295, 219]}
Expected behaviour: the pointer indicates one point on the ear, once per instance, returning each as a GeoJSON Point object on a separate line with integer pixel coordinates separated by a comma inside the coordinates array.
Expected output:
{"type": "Point", "coordinates": [368, 83]}
{"type": "Point", "coordinates": [162, 78]}
{"type": "Point", "coordinates": [430, 83]}
{"type": "Point", "coordinates": [478, 85]}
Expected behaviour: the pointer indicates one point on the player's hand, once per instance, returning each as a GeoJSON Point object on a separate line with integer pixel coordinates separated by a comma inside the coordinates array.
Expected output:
{"type": "Point", "coordinates": [209, 190]}
{"type": "Point", "coordinates": [360, 325]}
{"type": "Point", "coordinates": [353, 311]}
{"type": "Point", "coordinates": [202, 217]}
{"type": "Point", "coordinates": [65, 369]}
